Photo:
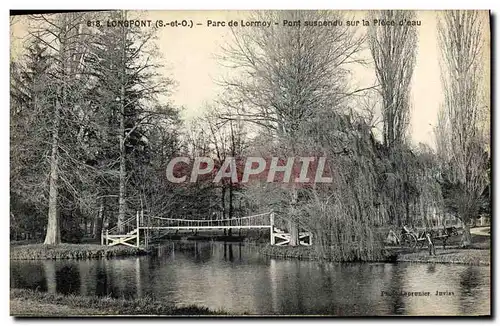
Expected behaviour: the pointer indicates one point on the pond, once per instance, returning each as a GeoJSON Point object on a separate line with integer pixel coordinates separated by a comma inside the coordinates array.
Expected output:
{"type": "Point", "coordinates": [234, 277]}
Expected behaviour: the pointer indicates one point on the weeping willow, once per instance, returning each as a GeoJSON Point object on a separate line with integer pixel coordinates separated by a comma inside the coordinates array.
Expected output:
{"type": "Point", "coordinates": [344, 216]}
{"type": "Point", "coordinates": [372, 190]}
{"type": "Point", "coordinates": [409, 192]}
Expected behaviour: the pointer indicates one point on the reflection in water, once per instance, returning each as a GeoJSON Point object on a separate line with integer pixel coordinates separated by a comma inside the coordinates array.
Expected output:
{"type": "Point", "coordinates": [102, 285]}
{"type": "Point", "coordinates": [393, 304]}
{"type": "Point", "coordinates": [471, 287]}
{"type": "Point", "coordinates": [31, 276]}
{"type": "Point", "coordinates": [235, 278]}
{"type": "Point", "coordinates": [50, 275]}
{"type": "Point", "coordinates": [67, 279]}
{"type": "Point", "coordinates": [138, 277]}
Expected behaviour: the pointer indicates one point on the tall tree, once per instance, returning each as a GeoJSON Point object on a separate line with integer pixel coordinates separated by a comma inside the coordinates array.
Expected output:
{"type": "Point", "coordinates": [63, 37]}
{"type": "Point", "coordinates": [31, 98]}
{"type": "Point", "coordinates": [286, 76]}
{"type": "Point", "coordinates": [86, 120]}
{"type": "Point", "coordinates": [462, 138]}
{"type": "Point", "coordinates": [227, 137]}
{"type": "Point", "coordinates": [394, 52]}
{"type": "Point", "coordinates": [127, 88]}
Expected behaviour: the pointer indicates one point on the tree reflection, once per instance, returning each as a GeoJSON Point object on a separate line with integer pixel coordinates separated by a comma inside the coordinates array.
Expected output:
{"type": "Point", "coordinates": [469, 283]}
{"type": "Point", "coordinates": [397, 285]}
{"type": "Point", "coordinates": [50, 275]}
{"type": "Point", "coordinates": [28, 275]}
{"type": "Point", "coordinates": [68, 279]}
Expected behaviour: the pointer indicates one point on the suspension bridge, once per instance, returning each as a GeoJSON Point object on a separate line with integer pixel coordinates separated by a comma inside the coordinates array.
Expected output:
{"type": "Point", "coordinates": [135, 231]}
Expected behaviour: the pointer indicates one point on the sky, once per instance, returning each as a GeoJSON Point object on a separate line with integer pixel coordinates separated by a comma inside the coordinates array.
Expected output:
{"type": "Point", "coordinates": [191, 53]}
{"type": "Point", "coordinates": [190, 58]}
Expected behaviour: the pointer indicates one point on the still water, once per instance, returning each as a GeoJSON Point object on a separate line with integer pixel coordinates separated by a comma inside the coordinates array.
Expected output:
{"type": "Point", "coordinates": [235, 278]}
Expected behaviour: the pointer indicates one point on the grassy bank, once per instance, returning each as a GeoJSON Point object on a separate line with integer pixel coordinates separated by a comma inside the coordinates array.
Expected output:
{"type": "Point", "coordinates": [310, 253]}
{"type": "Point", "coordinates": [478, 242]}
{"type": "Point", "coordinates": [452, 256]}
{"type": "Point", "coordinates": [69, 251]}
{"type": "Point", "coordinates": [301, 252]}
{"type": "Point", "coordinates": [24, 303]}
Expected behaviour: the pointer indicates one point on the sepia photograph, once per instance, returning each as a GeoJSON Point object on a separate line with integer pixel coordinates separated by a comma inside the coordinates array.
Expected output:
{"type": "Point", "coordinates": [233, 163]}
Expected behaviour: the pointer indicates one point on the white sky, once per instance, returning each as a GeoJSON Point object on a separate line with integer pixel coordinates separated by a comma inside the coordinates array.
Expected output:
{"type": "Point", "coordinates": [191, 54]}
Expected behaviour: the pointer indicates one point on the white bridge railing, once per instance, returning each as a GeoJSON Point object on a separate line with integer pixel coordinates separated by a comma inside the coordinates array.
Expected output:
{"type": "Point", "coordinates": [264, 220]}
{"type": "Point", "coordinates": [131, 228]}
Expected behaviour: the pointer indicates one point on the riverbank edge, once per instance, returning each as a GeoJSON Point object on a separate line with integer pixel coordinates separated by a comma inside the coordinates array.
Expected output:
{"type": "Point", "coordinates": [475, 257]}
{"type": "Point", "coordinates": [29, 303]}
{"type": "Point", "coordinates": [71, 251]}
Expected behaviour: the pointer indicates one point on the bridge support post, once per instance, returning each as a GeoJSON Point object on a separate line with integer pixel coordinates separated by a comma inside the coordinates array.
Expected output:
{"type": "Point", "coordinates": [137, 220]}
{"type": "Point", "coordinates": [271, 229]}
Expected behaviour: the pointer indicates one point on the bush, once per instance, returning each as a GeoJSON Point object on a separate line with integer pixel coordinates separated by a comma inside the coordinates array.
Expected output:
{"type": "Point", "coordinates": [72, 235]}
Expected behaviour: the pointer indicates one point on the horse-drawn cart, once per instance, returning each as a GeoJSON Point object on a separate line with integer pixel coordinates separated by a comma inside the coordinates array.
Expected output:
{"type": "Point", "coordinates": [412, 238]}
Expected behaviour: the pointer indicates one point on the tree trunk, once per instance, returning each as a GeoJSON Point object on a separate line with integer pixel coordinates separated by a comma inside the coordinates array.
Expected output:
{"type": "Point", "coordinates": [99, 221]}
{"type": "Point", "coordinates": [294, 233]}
{"type": "Point", "coordinates": [292, 225]}
{"type": "Point", "coordinates": [230, 203]}
{"type": "Point", "coordinates": [91, 230]}
{"type": "Point", "coordinates": [85, 225]}
{"type": "Point", "coordinates": [121, 199]}
{"type": "Point", "coordinates": [409, 220]}
{"type": "Point", "coordinates": [231, 195]}
{"type": "Point", "coordinates": [53, 235]}
{"type": "Point", "coordinates": [223, 203]}
{"type": "Point", "coordinates": [466, 240]}
{"type": "Point", "coordinates": [233, 152]}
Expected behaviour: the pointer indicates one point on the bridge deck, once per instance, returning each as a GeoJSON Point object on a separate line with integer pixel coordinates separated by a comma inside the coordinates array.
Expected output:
{"type": "Point", "coordinates": [194, 227]}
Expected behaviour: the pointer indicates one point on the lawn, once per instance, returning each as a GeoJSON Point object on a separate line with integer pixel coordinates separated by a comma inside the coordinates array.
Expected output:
{"type": "Point", "coordinates": [452, 256]}
{"type": "Point", "coordinates": [70, 250]}
{"type": "Point", "coordinates": [28, 303]}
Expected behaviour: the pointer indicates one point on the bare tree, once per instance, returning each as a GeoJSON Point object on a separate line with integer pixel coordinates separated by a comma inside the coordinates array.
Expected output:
{"type": "Point", "coordinates": [461, 136]}
{"type": "Point", "coordinates": [128, 84]}
{"type": "Point", "coordinates": [394, 51]}
{"type": "Point", "coordinates": [282, 75]}
{"type": "Point", "coordinates": [285, 76]}
{"type": "Point", "coordinates": [63, 37]}
{"type": "Point", "coordinates": [100, 86]}
{"type": "Point", "coordinates": [224, 138]}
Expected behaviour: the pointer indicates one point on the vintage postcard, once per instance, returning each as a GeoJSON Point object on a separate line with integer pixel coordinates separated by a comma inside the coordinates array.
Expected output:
{"type": "Point", "coordinates": [264, 163]}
